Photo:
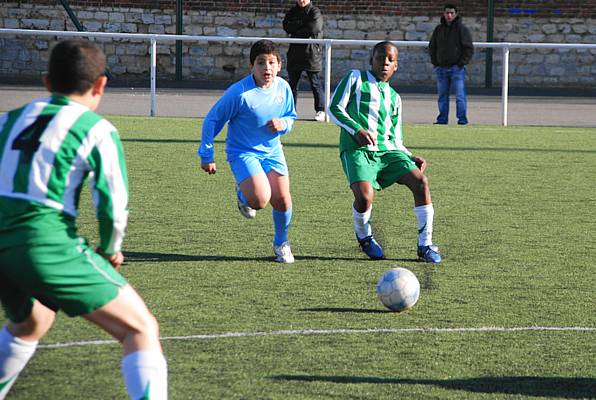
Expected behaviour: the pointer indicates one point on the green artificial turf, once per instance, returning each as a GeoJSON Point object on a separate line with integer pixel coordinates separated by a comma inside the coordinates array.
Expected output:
{"type": "Point", "coordinates": [515, 217]}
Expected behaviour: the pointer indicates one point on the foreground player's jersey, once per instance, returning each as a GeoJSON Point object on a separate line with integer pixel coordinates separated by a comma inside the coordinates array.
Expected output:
{"type": "Point", "coordinates": [248, 108]}
{"type": "Point", "coordinates": [362, 102]}
{"type": "Point", "coordinates": [47, 150]}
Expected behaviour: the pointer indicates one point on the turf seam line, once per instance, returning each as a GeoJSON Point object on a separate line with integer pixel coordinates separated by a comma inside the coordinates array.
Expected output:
{"type": "Point", "coordinates": [305, 332]}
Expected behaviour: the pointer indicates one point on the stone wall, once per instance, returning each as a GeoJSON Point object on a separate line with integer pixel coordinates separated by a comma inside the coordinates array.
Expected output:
{"type": "Point", "coordinates": [26, 57]}
{"type": "Point", "coordinates": [471, 8]}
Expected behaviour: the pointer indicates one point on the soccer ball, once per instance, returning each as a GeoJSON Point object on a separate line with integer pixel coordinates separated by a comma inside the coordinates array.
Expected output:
{"type": "Point", "coordinates": [398, 289]}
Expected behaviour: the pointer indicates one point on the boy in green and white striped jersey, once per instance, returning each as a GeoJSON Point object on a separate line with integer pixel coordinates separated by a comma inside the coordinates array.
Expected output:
{"type": "Point", "coordinates": [47, 150]}
{"type": "Point", "coordinates": [373, 156]}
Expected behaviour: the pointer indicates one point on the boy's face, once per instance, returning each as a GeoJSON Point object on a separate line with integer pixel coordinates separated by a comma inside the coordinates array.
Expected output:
{"type": "Point", "coordinates": [449, 15]}
{"type": "Point", "coordinates": [265, 69]}
{"type": "Point", "coordinates": [384, 62]}
{"type": "Point", "coordinates": [302, 3]}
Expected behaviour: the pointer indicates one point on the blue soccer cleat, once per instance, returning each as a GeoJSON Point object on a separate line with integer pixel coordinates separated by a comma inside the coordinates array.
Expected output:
{"type": "Point", "coordinates": [371, 248]}
{"type": "Point", "coordinates": [429, 254]}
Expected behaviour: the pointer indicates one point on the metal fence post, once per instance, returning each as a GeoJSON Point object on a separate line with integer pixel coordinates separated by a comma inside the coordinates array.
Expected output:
{"type": "Point", "coordinates": [327, 77]}
{"type": "Point", "coordinates": [505, 84]}
{"type": "Point", "coordinates": [153, 57]}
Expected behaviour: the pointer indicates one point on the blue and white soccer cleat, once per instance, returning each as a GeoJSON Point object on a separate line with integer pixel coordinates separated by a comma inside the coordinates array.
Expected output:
{"type": "Point", "coordinates": [245, 210]}
{"type": "Point", "coordinates": [371, 247]}
{"type": "Point", "coordinates": [429, 254]}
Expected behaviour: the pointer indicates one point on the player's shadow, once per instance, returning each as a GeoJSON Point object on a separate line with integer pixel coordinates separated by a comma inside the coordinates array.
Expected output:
{"type": "Point", "coordinates": [355, 257]}
{"type": "Point", "coordinates": [136, 256]}
{"type": "Point", "coordinates": [572, 388]}
{"type": "Point", "coordinates": [344, 310]}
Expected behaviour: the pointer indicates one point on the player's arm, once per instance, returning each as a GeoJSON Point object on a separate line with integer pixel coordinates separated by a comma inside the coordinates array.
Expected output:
{"type": "Point", "coordinates": [396, 125]}
{"type": "Point", "coordinates": [110, 195]}
{"type": "Point", "coordinates": [224, 110]}
{"type": "Point", "coordinates": [116, 259]}
{"type": "Point", "coordinates": [365, 138]}
{"type": "Point", "coordinates": [339, 103]}
{"type": "Point", "coordinates": [285, 122]}
{"type": "Point", "coordinates": [420, 162]}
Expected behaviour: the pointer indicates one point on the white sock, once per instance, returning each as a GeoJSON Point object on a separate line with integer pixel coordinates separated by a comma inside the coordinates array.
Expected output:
{"type": "Point", "coordinates": [146, 375]}
{"type": "Point", "coordinates": [362, 222]}
{"type": "Point", "coordinates": [15, 353]}
{"type": "Point", "coordinates": [424, 216]}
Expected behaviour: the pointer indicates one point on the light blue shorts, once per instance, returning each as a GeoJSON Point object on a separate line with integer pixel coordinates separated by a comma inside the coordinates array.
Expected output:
{"type": "Point", "coordinates": [246, 165]}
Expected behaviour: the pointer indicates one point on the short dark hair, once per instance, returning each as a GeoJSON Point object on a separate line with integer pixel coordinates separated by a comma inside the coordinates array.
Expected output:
{"type": "Point", "coordinates": [264, 46]}
{"type": "Point", "coordinates": [383, 44]}
{"type": "Point", "coordinates": [75, 65]}
{"type": "Point", "coordinates": [450, 5]}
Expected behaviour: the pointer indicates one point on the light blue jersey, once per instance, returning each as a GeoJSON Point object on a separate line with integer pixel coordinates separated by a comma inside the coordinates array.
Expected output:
{"type": "Point", "coordinates": [247, 108]}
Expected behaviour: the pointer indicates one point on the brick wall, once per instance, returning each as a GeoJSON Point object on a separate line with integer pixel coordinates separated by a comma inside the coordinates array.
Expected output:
{"type": "Point", "coordinates": [26, 57]}
{"type": "Point", "coordinates": [471, 8]}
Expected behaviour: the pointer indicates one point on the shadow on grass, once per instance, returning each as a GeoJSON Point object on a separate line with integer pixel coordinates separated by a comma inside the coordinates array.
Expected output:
{"type": "Point", "coordinates": [356, 257]}
{"type": "Point", "coordinates": [135, 256]}
{"type": "Point", "coordinates": [574, 388]}
{"type": "Point", "coordinates": [345, 310]}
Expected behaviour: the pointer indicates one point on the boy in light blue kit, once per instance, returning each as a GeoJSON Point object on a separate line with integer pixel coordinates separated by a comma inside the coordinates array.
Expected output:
{"type": "Point", "coordinates": [258, 110]}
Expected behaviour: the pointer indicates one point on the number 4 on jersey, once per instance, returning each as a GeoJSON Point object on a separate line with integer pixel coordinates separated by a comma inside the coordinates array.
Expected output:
{"type": "Point", "coordinates": [28, 140]}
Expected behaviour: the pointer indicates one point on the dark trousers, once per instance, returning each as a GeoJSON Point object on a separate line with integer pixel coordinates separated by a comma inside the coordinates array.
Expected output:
{"type": "Point", "coordinates": [315, 85]}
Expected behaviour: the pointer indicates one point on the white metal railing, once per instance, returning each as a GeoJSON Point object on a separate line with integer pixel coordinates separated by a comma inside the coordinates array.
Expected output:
{"type": "Point", "coordinates": [328, 43]}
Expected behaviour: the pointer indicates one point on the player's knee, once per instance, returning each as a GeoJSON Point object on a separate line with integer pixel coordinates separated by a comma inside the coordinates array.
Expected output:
{"type": "Point", "coordinates": [281, 203]}
{"type": "Point", "coordinates": [258, 201]}
{"type": "Point", "coordinates": [364, 197]}
{"type": "Point", "coordinates": [36, 325]}
{"type": "Point", "coordinates": [143, 333]}
{"type": "Point", "coordinates": [421, 186]}
{"type": "Point", "coordinates": [150, 325]}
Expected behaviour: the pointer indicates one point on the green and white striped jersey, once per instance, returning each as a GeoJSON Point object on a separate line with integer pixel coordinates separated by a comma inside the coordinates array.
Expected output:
{"type": "Point", "coordinates": [362, 102]}
{"type": "Point", "coordinates": [47, 150]}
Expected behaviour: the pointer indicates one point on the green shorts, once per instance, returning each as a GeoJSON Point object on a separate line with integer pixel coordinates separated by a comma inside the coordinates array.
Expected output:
{"type": "Point", "coordinates": [69, 276]}
{"type": "Point", "coordinates": [380, 168]}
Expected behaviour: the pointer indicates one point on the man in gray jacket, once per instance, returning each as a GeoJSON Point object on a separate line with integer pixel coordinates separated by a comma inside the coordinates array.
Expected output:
{"type": "Point", "coordinates": [305, 21]}
{"type": "Point", "coordinates": [451, 49]}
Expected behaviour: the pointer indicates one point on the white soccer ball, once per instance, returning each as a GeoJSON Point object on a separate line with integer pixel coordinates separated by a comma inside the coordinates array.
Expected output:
{"type": "Point", "coordinates": [398, 289]}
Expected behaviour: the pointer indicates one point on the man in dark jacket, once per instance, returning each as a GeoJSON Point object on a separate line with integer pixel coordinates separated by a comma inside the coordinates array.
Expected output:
{"type": "Point", "coordinates": [305, 21]}
{"type": "Point", "coordinates": [451, 49]}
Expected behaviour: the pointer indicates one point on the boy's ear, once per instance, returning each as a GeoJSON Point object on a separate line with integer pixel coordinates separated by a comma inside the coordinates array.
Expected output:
{"type": "Point", "coordinates": [99, 85]}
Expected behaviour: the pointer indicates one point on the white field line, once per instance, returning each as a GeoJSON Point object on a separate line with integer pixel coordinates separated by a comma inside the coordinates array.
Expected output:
{"type": "Point", "coordinates": [336, 332]}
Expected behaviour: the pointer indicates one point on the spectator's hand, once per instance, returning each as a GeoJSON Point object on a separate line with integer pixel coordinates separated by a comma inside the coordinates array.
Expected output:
{"type": "Point", "coordinates": [364, 137]}
{"type": "Point", "coordinates": [276, 125]}
{"type": "Point", "coordinates": [210, 168]}
{"type": "Point", "coordinates": [420, 163]}
{"type": "Point", "coordinates": [115, 259]}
